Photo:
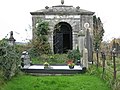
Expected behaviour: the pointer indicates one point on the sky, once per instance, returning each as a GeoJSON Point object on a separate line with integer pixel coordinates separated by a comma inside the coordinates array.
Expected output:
{"type": "Point", "coordinates": [15, 16]}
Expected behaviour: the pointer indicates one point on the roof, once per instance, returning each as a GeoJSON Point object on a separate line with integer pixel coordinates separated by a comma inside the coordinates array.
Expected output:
{"type": "Point", "coordinates": [62, 10]}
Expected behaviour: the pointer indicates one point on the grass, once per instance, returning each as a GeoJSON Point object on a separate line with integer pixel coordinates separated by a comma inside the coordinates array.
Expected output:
{"type": "Point", "coordinates": [109, 69]}
{"type": "Point", "coordinates": [52, 59]}
{"type": "Point", "coordinates": [75, 82]}
{"type": "Point", "coordinates": [89, 81]}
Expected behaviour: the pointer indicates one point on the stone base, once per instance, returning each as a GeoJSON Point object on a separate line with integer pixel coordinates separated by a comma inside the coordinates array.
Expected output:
{"type": "Point", "coordinates": [56, 69]}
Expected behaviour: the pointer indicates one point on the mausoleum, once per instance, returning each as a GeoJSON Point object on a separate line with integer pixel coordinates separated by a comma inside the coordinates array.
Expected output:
{"type": "Point", "coordinates": [73, 22]}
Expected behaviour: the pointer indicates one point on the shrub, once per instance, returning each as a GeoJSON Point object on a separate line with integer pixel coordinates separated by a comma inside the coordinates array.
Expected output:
{"type": "Point", "coordinates": [9, 60]}
{"type": "Point", "coordinates": [74, 55]}
{"type": "Point", "coordinates": [40, 42]}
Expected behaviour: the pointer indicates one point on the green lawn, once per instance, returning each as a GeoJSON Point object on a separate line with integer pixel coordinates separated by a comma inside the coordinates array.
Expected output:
{"type": "Point", "coordinates": [75, 82]}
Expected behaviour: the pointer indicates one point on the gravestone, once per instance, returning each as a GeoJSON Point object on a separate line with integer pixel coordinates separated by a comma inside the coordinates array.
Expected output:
{"type": "Point", "coordinates": [85, 58]}
{"type": "Point", "coordinates": [25, 60]}
{"type": "Point", "coordinates": [81, 40]}
{"type": "Point", "coordinates": [88, 42]}
{"type": "Point", "coordinates": [89, 45]}
{"type": "Point", "coordinates": [11, 39]}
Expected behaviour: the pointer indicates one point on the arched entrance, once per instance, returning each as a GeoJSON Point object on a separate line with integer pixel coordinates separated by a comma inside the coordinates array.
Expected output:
{"type": "Point", "coordinates": [62, 38]}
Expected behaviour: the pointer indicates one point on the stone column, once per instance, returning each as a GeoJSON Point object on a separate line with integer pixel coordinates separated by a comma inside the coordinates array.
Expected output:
{"type": "Point", "coordinates": [50, 39]}
{"type": "Point", "coordinates": [75, 38]}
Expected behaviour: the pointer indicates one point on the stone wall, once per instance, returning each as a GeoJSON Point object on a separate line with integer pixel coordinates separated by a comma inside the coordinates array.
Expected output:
{"type": "Point", "coordinates": [76, 22]}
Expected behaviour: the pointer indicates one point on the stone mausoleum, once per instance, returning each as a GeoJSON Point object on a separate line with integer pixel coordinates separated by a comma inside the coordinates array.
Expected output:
{"type": "Point", "coordinates": [73, 23]}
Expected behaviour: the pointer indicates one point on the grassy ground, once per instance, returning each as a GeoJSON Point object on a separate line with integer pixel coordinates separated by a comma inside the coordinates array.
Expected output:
{"type": "Point", "coordinates": [51, 59]}
{"type": "Point", "coordinates": [90, 81]}
{"type": "Point", "coordinates": [75, 82]}
{"type": "Point", "coordinates": [109, 72]}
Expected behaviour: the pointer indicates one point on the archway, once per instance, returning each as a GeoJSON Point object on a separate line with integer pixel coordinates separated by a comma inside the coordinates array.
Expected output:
{"type": "Point", "coordinates": [62, 39]}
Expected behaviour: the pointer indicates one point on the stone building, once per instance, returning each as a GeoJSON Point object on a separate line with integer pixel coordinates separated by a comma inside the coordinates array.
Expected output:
{"type": "Point", "coordinates": [71, 21]}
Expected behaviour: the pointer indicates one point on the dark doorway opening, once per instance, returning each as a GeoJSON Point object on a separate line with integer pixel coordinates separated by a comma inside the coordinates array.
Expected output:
{"type": "Point", "coordinates": [66, 42]}
{"type": "Point", "coordinates": [62, 39]}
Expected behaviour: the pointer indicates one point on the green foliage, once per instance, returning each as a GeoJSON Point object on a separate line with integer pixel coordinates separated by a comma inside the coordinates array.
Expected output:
{"type": "Point", "coordinates": [107, 76]}
{"type": "Point", "coordinates": [98, 32]}
{"type": "Point", "coordinates": [74, 54]}
{"type": "Point", "coordinates": [75, 82]}
{"type": "Point", "coordinates": [25, 47]}
{"type": "Point", "coordinates": [52, 59]}
{"type": "Point", "coordinates": [42, 28]}
{"type": "Point", "coordinates": [36, 60]}
{"type": "Point", "coordinates": [57, 58]}
{"type": "Point", "coordinates": [9, 60]}
{"type": "Point", "coordinates": [92, 70]}
{"type": "Point", "coordinates": [2, 51]}
{"type": "Point", "coordinates": [40, 43]}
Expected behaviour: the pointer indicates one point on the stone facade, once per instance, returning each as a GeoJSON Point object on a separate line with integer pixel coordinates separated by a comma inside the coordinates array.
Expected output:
{"type": "Point", "coordinates": [74, 16]}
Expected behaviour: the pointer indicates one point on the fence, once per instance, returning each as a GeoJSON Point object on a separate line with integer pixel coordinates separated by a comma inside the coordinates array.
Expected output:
{"type": "Point", "coordinates": [110, 63]}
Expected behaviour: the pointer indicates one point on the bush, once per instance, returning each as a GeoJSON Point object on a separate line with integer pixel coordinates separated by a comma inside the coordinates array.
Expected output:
{"type": "Point", "coordinates": [9, 60]}
{"type": "Point", "coordinates": [74, 55]}
{"type": "Point", "coordinates": [58, 58]}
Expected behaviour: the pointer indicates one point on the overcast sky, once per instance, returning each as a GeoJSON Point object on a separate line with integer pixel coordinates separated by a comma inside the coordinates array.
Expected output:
{"type": "Point", "coordinates": [15, 15]}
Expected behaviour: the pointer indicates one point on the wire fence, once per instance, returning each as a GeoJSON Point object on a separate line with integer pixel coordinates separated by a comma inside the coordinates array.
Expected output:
{"type": "Point", "coordinates": [110, 64]}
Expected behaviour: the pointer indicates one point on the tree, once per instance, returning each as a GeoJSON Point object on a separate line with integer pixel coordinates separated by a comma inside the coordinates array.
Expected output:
{"type": "Point", "coordinates": [98, 32]}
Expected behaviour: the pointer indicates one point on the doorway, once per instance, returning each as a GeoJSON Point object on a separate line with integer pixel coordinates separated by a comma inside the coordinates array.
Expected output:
{"type": "Point", "coordinates": [62, 38]}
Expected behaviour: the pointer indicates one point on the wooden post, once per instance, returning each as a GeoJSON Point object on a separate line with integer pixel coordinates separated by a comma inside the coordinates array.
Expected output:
{"type": "Point", "coordinates": [97, 57]}
{"type": "Point", "coordinates": [113, 53]}
{"type": "Point", "coordinates": [114, 64]}
{"type": "Point", "coordinates": [103, 58]}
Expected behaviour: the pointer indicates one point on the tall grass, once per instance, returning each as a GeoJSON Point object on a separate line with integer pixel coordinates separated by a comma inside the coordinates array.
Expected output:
{"type": "Point", "coordinates": [109, 71]}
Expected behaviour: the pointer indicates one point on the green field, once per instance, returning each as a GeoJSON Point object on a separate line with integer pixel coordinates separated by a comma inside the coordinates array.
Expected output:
{"type": "Point", "coordinates": [74, 82]}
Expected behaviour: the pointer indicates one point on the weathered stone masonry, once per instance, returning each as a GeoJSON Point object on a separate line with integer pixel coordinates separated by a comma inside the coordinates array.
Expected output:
{"type": "Point", "coordinates": [74, 16]}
